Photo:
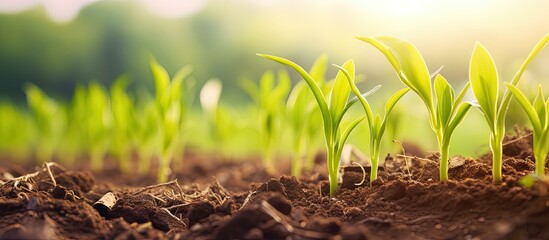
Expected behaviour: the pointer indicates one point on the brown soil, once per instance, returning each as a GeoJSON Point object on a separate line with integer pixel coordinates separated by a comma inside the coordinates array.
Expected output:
{"type": "Point", "coordinates": [237, 200]}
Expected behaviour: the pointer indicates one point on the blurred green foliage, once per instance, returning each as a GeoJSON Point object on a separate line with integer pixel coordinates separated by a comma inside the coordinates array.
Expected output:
{"type": "Point", "coordinates": [113, 37]}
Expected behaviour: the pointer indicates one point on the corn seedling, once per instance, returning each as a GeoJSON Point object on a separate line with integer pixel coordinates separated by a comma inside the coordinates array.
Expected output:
{"type": "Point", "coordinates": [49, 121]}
{"type": "Point", "coordinates": [377, 123]}
{"type": "Point", "coordinates": [97, 122]}
{"type": "Point", "coordinates": [304, 119]}
{"type": "Point", "coordinates": [485, 84]}
{"type": "Point", "coordinates": [122, 111]}
{"type": "Point", "coordinates": [209, 100]}
{"type": "Point", "coordinates": [15, 131]}
{"type": "Point", "coordinates": [446, 111]}
{"type": "Point", "coordinates": [170, 110]}
{"type": "Point", "coordinates": [538, 113]}
{"type": "Point", "coordinates": [147, 134]}
{"type": "Point", "coordinates": [270, 98]}
{"type": "Point", "coordinates": [332, 107]}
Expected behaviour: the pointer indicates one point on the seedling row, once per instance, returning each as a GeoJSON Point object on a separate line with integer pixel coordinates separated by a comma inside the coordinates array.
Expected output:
{"type": "Point", "coordinates": [316, 111]}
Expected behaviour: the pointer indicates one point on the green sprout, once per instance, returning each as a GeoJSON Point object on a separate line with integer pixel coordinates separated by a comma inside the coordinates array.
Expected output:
{"type": "Point", "coordinates": [209, 100]}
{"type": "Point", "coordinates": [122, 107]}
{"type": "Point", "coordinates": [49, 121]}
{"type": "Point", "coordinates": [96, 120]}
{"type": "Point", "coordinates": [170, 109]}
{"type": "Point", "coordinates": [332, 108]}
{"type": "Point", "coordinates": [377, 123]}
{"type": "Point", "coordinates": [485, 84]}
{"type": "Point", "coordinates": [446, 111]}
{"type": "Point", "coordinates": [15, 131]}
{"type": "Point", "coordinates": [538, 113]}
{"type": "Point", "coordinates": [270, 99]}
{"type": "Point", "coordinates": [147, 133]}
{"type": "Point", "coordinates": [304, 119]}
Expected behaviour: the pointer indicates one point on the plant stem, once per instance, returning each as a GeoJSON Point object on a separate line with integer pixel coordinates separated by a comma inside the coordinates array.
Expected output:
{"type": "Point", "coordinates": [540, 153]}
{"type": "Point", "coordinates": [332, 171]}
{"type": "Point", "coordinates": [444, 157]}
{"type": "Point", "coordinates": [375, 165]}
{"type": "Point", "coordinates": [496, 145]}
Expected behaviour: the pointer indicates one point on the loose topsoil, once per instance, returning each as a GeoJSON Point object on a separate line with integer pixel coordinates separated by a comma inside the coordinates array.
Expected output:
{"type": "Point", "coordinates": [238, 200]}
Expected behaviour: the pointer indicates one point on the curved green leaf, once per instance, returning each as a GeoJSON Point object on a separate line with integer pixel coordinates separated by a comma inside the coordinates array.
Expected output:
{"type": "Point", "coordinates": [394, 99]}
{"type": "Point", "coordinates": [526, 106]}
{"type": "Point", "coordinates": [507, 97]}
{"type": "Point", "coordinates": [462, 93]}
{"type": "Point", "coordinates": [315, 89]}
{"type": "Point", "coordinates": [361, 98]}
{"type": "Point", "coordinates": [458, 117]}
{"type": "Point", "coordinates": [341, 90]}
{"type": "Point", "coordinates": [445, 100]}
{"type": "Point", "coordinates": [408, 63]}
{"type": "Point", "coordinates": [318, 70]}
{"type": "Point", "coordinates": [484, 81]}
{"type": "Point", "coordinates": [388, 108]}
{"type": "Point", "coordinates": [348, 131]}
{"type": "Point", "coordinates": [539, 106]}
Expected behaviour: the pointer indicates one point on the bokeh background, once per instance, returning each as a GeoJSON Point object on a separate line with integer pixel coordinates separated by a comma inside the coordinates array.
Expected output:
{"type": "Point", "coordinates": [58, 44]}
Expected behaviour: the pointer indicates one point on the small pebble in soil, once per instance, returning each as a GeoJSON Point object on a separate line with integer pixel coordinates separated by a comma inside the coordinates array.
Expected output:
{"type": "Point", "coordinates": [481, 219]}
{"type": "Point", "coordinates": [353, 212]}
{"type": "Point", "coordinates": [438, 226]}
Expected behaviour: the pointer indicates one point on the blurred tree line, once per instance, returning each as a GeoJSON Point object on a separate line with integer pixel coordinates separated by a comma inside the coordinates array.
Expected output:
{"type": "Point", "coordinates": [111, 38]}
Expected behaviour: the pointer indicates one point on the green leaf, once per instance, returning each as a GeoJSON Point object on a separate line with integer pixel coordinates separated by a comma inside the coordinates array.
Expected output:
{"type": "Point", "coordinates": [348, 130]}
{"type": "Point", "coordinates": [251, 89]}
{"type": "Point", "coordinates": [445, 99]}
{"type": "Point", "coordinates": [318, 70]}
{"type": "Point", "coordinates": [389, 107]}
{"type": "Point", "coordinates": [266, 84]}
{"type": "Point", "coordinates": [362, 98]}
{"type": "Point", "coordinates": [539, 105]}
{"type": "Point", "coordinates": [527, 106]}
{"type": "Point", "coordinates": [507, 97]}
{"type": "Point", "coordinates": [528, 181]}
{"type": "Point", "coordinates": [458, 117]}
{"type": "Point", "coordinates": [315, 89]}
{"type": "Point", "coordinates": [341, 90]}
{"type": "Point", "coordinates": [356, 99]}
{"type": "Point", "coordinates": [280, 91]}
{"type": "Point", "coordinates": [484, 81]}
{"type": "Point", "coordinates": [462, 93]}
{"type": "Point", "coordinates": [408, 63]}
{"type": "Point", "coordinates": [161, 80]}
{"type": "Point", "coordinates": [394, 99]}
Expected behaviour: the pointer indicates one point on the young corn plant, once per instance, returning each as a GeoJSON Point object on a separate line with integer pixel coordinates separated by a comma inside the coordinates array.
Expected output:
{"type": "Point", "coordinates": [304, 119]}
{"type": "Point", "coordinates": [538, 113]}
{"type": "Point", "coordinates": [170, 110]}
{"type": "Point", "coordinates": [122, 107]}
{"type": "Point", "coordinates": [97, 122]}
{"type": "Point", "coordinates": [15, 131]}
{"type": "Point", "coordinates": [49, 120]}
{"type": "Point", "coordinates": [209, 100]}
{"type": "Point", "coordinates": [332, 108]}
{"type": "Point", "coordinates": [377, 123]}
{"type": "Point", "coordinates": [147, 133]}
{"type": "Point", "coordinates": [485, 84]}
{"type": "Point", "coordinates": [446, 111]}
{"type": "Point", "coordinates": [270, 98]}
